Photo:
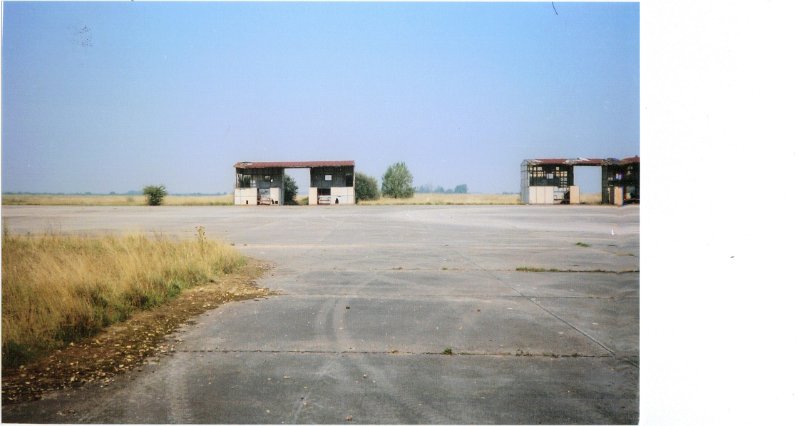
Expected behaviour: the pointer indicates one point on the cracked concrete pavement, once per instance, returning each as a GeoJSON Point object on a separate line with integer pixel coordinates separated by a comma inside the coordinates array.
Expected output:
{"type": "Point", "coordinates": [372, 298]}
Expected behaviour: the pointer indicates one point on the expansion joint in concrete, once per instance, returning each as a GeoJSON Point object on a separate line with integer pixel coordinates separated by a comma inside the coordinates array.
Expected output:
{"type": "Point", "coordinates": [583, 297]}
{"type": "Point", "coordinates": [518, 353]}
{"type": "Point", "coordinates": [573, 327]}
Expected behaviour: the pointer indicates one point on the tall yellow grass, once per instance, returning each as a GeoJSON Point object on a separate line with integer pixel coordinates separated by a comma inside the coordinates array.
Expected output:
{"type": "Point", "coordinates": [448, 199]}
{"type": "Point", "coordinates": [59, 288]}
{"type": "Point", "coordinates": [113, 200]}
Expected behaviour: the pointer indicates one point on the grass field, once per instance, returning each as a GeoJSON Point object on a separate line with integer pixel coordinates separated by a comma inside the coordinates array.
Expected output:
{"type": "Point", "coordinates": [113, 200]}
{"type": "Point", "coordinates": [58, 288]}
{"type": "Point", "coordinates": [227, 200]}
{"type": "Point", "coordinates": [448, 199]}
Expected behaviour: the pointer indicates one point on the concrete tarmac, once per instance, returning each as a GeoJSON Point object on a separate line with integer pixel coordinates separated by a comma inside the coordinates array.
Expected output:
{"type": "Point", "coordinates": [375, 300]}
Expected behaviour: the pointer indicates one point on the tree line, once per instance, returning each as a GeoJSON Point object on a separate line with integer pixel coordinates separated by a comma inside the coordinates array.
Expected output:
{"type": "Point", "coordinates": [429, 189]}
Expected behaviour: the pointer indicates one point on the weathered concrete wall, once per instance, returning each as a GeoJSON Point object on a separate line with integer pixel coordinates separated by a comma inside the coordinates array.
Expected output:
{"type": "Point", "coordinates": [345, 195]}
{"type": "Point", "coordinates": [574, 194]}
{"type": "Point", "coordinates": [618, 198]}
{"type": "Point", "coordinates": [245, 196]}
{"type": "Point", "coordinates": [524, 184]}
{"type": "Point", "coordinates": [541, 194]}
{"type": "Point", "coordinates": [276, 195]}
{"type": "Point", "coordinates": [312, 196]}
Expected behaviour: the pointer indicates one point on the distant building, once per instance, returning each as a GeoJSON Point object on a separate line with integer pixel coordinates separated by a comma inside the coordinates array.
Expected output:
{"type": "Point", "coordinates": [552, 180]}
{"type": "Point", "coordinates": [262, 183]}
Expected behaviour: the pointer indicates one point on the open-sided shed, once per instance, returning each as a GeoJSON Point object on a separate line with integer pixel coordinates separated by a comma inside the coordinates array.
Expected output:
{"type": "Point", "coordinates": [620, 180]}
{"type": "Point", "coordinates": [263, 183]}
{"type": "Point", "coordinates": [552, 180]}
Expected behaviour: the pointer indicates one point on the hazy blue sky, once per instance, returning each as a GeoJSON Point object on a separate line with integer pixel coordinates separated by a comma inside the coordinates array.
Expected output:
{"type": "Point", "coordinates": [113, 96]}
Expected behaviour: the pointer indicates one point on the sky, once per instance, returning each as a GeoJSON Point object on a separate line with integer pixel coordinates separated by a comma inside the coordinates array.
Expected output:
{"type": "Point", "coordinates": [101, 97]}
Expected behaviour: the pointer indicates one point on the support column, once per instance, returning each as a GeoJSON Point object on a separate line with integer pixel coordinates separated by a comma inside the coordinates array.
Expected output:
{"type": "Point", "coordinates": [574, 194]}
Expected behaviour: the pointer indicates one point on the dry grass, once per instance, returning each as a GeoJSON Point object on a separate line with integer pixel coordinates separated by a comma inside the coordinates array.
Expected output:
{"type": "Point", "coordinates": [60, 288]}
{"type": "Point", "coordinates": [113, 200]}
{"type": "Point", "coordinates": [227, 200]}
{"type": "Point", "coordinates": [591, 198]}
{"type": "Point", "coordinates": [129, 345]}
{"type": "Point", "coordinates": [449, 199]}
{"type": "Point", "coordinates": [198, 200]}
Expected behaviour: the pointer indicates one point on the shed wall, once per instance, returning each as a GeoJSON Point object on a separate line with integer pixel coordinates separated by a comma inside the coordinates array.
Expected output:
{"type": "Point", "coordinates": [245, 196]}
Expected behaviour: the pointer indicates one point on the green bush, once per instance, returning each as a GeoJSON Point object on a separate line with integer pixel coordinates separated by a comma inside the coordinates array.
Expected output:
{"type": "Point", "coordinates": [155, 194]}
{"type": "Point", "coordinates": [366, 187]}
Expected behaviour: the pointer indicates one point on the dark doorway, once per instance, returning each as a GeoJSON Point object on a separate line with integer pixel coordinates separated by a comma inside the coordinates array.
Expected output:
{"type": "Point", "coordinates": [323, 196]}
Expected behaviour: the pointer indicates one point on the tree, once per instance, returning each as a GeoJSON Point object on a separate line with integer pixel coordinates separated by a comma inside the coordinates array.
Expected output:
{"type": "Point", "coordinates": [461, 189]}
{"type": "Point", "coordinates": [397, 181]}
{"type": "Point", "coordinates": [366, 187]}
{"type": "Point", "coordinates": [289, 190]}
{"type": "Point", "coordinates": [154, 194]}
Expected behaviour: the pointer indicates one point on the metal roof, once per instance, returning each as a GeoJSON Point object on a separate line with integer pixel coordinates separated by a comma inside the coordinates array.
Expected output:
{"type": "Point", "coordinates": [580, 161]}
{"type": "Point", "coordinates": [292, 164]}
{"type": "Point", "coordinates": [566, 161]}
{"type": "Point", "coordinates": [623, 162]}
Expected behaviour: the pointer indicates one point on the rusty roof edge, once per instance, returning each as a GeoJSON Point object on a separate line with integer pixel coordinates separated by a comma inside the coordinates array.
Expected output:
{"type": "Point", "coordinates": [582, 161]}
{"type": "Point", "coordinates": [292, 164]}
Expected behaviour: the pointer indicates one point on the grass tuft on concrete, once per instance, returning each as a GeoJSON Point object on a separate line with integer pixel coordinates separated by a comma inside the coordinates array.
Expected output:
{"type": "Point", "coordinates": [536, 269]}
{"type": "Point", "coordinates": [58, 289]}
